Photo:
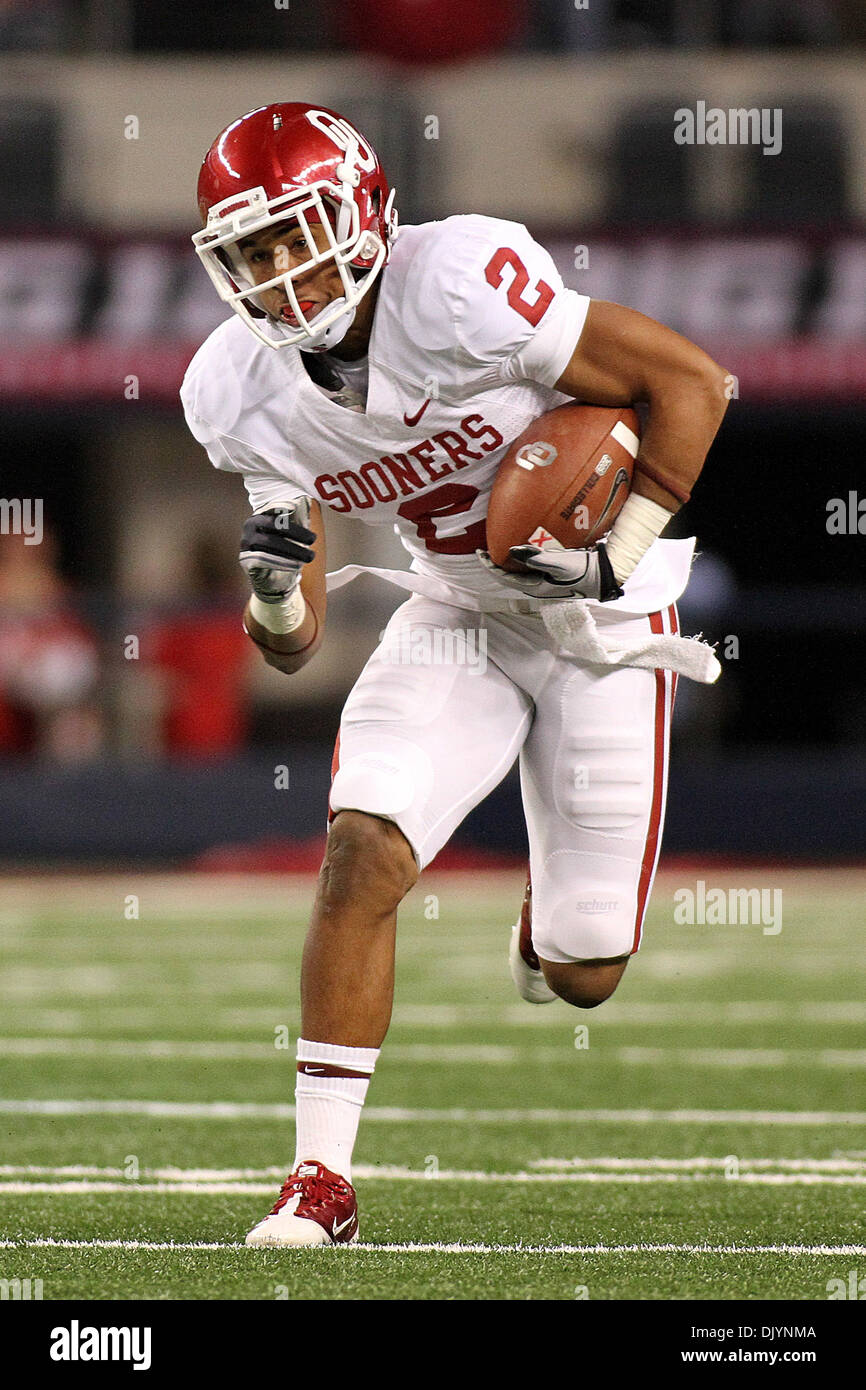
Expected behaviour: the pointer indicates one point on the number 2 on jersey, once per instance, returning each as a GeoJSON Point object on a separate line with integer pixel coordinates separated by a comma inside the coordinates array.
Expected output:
{"type": "Point", "coordinates": [448, 500]}
{"type": "Point", "coordinates": [533, 311]}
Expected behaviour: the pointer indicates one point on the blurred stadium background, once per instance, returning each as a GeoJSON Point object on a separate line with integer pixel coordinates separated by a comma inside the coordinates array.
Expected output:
{"type": "Point", "coordinates": [139, 731]}
{"type": "Point", "coordinates": [135, 722]}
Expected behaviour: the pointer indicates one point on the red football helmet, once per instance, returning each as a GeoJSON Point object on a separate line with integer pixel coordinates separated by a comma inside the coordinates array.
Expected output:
{"type": "Point", "coordinates": [298, 163]}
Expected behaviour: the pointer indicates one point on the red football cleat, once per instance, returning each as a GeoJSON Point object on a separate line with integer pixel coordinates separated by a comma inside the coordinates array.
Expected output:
{"type": "Point", "coordinates": [315, 1207]}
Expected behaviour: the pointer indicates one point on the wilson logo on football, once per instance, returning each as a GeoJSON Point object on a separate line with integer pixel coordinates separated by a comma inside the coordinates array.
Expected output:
{"type": "Point", "coordinates": [537, 455]}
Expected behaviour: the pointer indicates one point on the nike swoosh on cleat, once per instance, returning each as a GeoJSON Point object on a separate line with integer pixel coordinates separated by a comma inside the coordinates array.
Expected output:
{"type": "Point", "coordinates": [336, 1230]}
{"type": "Point", "coordinates": [413, 420]}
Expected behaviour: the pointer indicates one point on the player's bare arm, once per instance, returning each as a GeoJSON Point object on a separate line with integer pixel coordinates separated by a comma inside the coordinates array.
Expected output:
{"type": "Point", "coordinates": [623, 358]}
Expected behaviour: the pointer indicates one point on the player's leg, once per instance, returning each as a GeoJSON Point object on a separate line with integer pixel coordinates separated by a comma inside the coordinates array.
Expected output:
{"type": "Point", "coordinates": [421, 743]}
{"type": "Point", "coordinates": [347, 975]}
{"type": "Point", "coordinates": [347, 982]}
{"type": "Point", "coordinates": [594, 778]}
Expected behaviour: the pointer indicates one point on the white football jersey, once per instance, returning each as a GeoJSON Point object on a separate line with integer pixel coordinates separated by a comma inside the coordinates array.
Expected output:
{"type": "Point", "coordinates": [472, 329]}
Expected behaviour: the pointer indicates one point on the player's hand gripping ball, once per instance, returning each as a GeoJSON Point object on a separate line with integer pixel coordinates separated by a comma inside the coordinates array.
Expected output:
{"type": "Point", "coordinates": [558, 491]}
{"type": "Point", "coordinates": [275, 546]}
{"type": "Point", "coordinates": [558, 574]}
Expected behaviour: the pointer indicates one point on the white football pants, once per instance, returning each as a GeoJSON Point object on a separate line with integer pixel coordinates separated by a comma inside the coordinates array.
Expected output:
{"type": "Point", "coordinates": [447, 702]}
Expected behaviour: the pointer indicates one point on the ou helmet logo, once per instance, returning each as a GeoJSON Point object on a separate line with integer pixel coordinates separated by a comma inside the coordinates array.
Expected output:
{"type": "Point", "coordinates": [346, 137]}
{"type": "Point", "coordinates": [537, 455]}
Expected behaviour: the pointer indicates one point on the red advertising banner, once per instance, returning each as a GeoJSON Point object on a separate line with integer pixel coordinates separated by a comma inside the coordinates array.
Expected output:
{"type": "Point", "coordinates": [93, 319]}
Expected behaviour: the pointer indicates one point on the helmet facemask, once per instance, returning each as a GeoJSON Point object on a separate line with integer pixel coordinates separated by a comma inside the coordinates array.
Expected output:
{"type": "Point", "coordinates": [358, 256]}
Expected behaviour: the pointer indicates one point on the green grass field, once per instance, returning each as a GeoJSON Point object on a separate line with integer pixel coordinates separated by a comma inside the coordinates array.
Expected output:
{"type": "Point", "coordinates": [703, 1138]}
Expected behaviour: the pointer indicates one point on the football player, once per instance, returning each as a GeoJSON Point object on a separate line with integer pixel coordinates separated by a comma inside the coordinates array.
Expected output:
{"type": "Point", "coordinates": [383, 376]}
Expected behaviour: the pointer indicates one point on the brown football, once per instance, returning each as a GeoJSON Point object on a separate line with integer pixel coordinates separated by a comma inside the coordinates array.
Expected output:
{"type": "Point", "coordinates": [563, 480]}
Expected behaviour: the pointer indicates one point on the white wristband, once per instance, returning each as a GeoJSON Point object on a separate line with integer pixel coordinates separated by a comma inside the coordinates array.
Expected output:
{"type": "Point", "coordinates": [280, 618]}
{"type": "Point", "coordinates": [633, 532]}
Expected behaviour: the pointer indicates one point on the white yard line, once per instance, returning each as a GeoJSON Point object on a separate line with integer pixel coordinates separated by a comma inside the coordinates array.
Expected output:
{"type": "Point", "coordinates": [412, 1248]}
{"type": "Point", "coordinates": [214, 1184]}
{"type": "Point", "coordinates": [87, 1186]}
{"type": "Point", "coordinates": [151, 1048]}
{"type": "Point", "coordinates": [537, 1167]}
{"type": "Point", "coordinates": [209, 978]}
{"type": "Point", "coordinates": [170, 1174]}
{"type": "Point", "coordinates": [425, 1054]}
{"type": "Point", "coordinates": [258, 1189]}
{"type": "Point", "coordinates": [690, 1165]}
{"type": "Point", "coordinates": [72, 1023]}
{"type": "Point", "coordinates": [686, 1013]}
{"type": "Point", "coordinates": [739, 1057]}
{"type": "Point", "coordinates": [256, 1110]}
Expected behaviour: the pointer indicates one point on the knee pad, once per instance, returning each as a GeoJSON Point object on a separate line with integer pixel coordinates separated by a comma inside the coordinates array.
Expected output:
{"type": "Point", "coordinates": [578, 915]}
{"type": "Point", "coordinates": [384, 781]}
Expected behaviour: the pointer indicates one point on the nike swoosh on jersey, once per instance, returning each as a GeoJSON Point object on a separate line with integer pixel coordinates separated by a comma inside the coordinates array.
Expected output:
{"type": "Point", "coordinates": [413, 420]}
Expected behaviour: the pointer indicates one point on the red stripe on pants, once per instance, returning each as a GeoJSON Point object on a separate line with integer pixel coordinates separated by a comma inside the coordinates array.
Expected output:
{"type": "Point", "coordinates": [675, 628]}
{"type": "Point", "coordinates": [648, 862]}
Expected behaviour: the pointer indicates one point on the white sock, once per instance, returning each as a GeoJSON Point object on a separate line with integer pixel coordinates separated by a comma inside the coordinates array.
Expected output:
{"type": "Point", "coordinates": [329, 1102]}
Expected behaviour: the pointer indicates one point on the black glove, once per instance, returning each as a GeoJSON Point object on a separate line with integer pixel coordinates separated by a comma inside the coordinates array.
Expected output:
{"type": "Point", "coordinates": [275, 546]}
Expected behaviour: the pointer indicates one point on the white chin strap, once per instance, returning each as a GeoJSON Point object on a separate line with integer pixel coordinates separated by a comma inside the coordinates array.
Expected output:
{"type": "Point", "coordinates": [334, 333]}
